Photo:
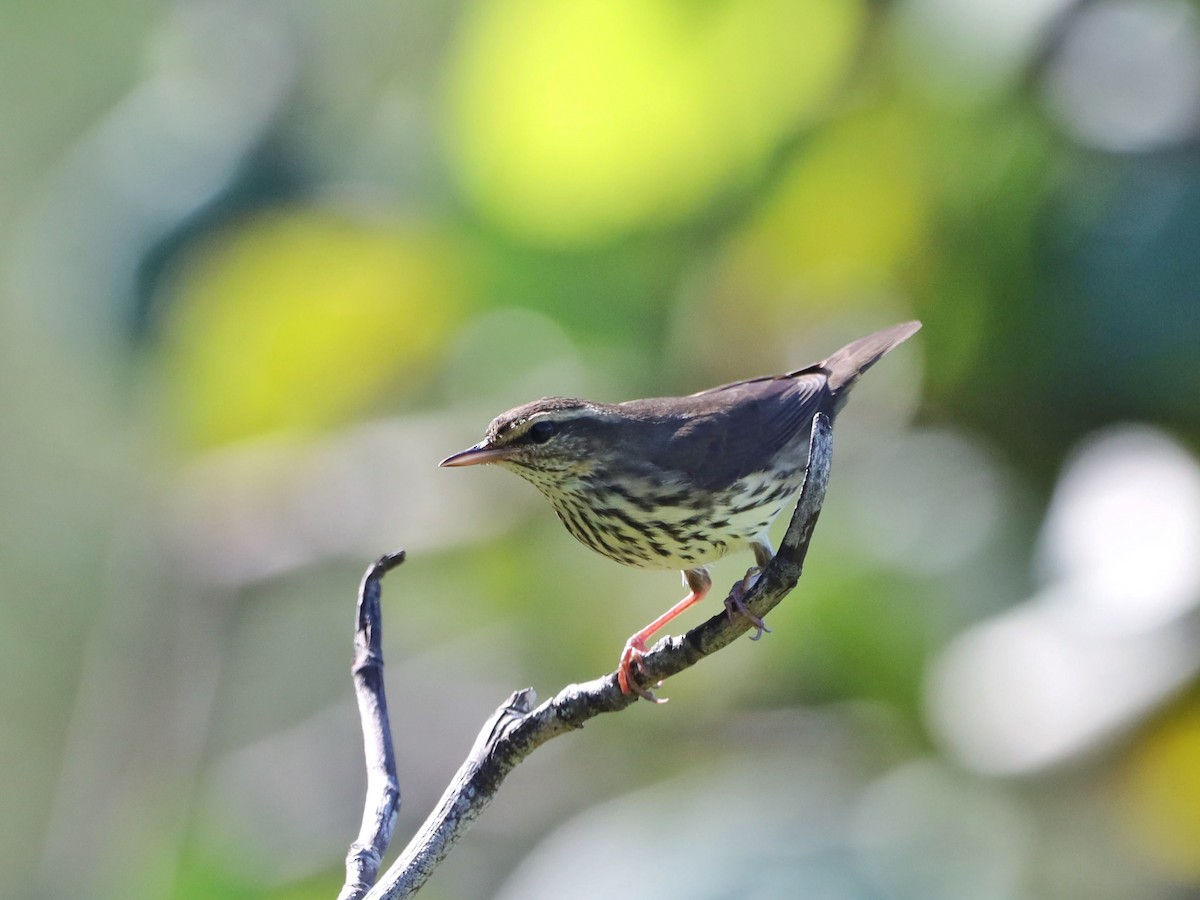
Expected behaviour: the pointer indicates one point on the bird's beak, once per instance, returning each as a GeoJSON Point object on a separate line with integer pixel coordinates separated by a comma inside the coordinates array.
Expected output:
{"type": "Point", "coordinates": [482, 452]}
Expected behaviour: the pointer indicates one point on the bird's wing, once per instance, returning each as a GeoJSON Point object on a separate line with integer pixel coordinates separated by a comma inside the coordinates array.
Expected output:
{"type": "Point", "coordinates": [727, 432]}
{"type": "Point", "coordinates": [724, 433]}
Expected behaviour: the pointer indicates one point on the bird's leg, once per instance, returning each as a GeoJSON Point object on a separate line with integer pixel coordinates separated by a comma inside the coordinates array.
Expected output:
{"type": "Point", "coordinates": [735, 604]}
{"type": "Point", "coordinates": [699, 581]}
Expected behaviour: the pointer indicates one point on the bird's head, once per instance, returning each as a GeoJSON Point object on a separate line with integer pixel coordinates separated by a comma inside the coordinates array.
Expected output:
{"type": "Point", "coordinates": [550, 437]}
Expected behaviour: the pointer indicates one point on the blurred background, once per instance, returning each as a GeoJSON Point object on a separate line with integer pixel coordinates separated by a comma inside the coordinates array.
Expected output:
{"type": "Point", "coordinates": [264, 264]}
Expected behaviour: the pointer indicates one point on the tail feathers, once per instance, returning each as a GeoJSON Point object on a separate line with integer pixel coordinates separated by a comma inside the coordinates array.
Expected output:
{"type": "Point", "coordinates": [844, 366]}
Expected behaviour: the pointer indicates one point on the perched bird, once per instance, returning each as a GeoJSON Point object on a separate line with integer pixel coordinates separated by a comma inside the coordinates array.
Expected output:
{"type": "Point", "coordinates": [678, 482]}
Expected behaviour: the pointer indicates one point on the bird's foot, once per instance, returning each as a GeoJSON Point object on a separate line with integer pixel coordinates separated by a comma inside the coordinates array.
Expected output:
{"type": "Point", "coordinates": [735, 603]}
{"type": "Point", "coordinates": [631, 659]}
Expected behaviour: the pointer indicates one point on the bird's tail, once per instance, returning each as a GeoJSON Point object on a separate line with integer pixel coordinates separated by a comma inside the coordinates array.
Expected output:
{"type": "Point", "coordinates": [844, 366]}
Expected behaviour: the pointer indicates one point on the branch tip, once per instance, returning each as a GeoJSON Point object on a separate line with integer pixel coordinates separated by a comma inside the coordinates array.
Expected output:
{"type": "Point", "coordinates": [387, 562]}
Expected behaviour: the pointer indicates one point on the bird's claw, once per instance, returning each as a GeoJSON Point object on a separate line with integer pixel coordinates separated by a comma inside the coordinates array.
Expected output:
{"type": "Point", "coordinates": [631, 659]}
{"type": "Point", "coordinates": [735, 604]}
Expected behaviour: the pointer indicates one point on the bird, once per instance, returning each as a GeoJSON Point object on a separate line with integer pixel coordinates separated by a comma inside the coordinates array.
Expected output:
{"type": "Point", "coordinates": [678, 482]}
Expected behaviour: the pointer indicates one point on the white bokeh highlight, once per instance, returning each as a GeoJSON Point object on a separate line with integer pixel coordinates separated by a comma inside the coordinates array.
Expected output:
{"type": "Point", "coordinates": [1126, 76]}
{"type": "Point", "coordinates": [1110, 635]}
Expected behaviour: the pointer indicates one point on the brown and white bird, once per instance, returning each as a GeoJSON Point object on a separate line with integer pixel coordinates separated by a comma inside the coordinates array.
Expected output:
{"type": "Point", "coordinates": [678, 482]}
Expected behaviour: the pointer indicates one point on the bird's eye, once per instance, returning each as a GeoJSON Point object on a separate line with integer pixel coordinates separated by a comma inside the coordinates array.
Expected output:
{"type": "Point", "coordinates": [540, 432]}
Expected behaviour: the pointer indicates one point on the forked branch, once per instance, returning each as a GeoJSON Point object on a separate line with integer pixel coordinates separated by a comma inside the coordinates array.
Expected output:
{"type": "Point", "coordinates": [516, 728]}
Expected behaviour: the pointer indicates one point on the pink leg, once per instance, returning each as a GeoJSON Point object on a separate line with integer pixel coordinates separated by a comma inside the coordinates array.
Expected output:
{"type": "Point", "coordinates": [699, 582]}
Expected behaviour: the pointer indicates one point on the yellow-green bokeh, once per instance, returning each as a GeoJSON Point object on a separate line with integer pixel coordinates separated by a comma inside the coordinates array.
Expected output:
{"type": "Point", "coordinates": [1162, 795]}
{"type": "Point", "coordinates": [849, 212]}
{"type": "Point", "coordinates": [575, 122]}
{"type": "Point", "coordinates": [296, 319]}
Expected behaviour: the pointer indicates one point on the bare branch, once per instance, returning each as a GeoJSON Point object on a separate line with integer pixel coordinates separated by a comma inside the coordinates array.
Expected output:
{"type": "Point", "coordinates": [383, 789]}
{"type": "Point", "coordinates": [515, 729]}
{"type": "Point", "coordinates": [472, 787]}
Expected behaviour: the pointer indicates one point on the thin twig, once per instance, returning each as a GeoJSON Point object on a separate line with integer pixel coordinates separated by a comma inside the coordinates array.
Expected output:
{"type": "Point", "coordinates": [383, 789]}
{"type": "Point", "coordinates": [515, 729]}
